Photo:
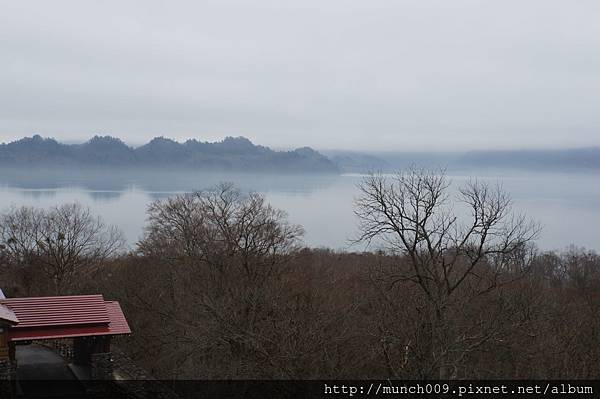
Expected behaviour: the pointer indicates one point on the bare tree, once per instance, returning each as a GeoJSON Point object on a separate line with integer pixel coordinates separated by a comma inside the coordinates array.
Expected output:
{"type": "Point", "coordinates": [222, 221]}
{"type": "Point", "coordinates": [63, 242]}
{"type": "Point", "coordinates": [233, 248]}
{"type": "Point", "coordinates": [412, 215]}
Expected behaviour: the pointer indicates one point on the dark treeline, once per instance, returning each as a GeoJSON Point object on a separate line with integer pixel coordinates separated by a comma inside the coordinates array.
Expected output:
{"type": "Point", "coordinates": [220, 287]}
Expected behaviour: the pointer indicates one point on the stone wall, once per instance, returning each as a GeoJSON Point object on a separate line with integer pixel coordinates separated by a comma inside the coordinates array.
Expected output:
{"type": "Point", "coordinates": [7, 370]}
{"type": "Point", "coordinates": [101, 366]}
{"type": "Point", "coordinates": [7, 374]}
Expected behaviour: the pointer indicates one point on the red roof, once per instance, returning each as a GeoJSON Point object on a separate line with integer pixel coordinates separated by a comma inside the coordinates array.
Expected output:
{"type": "Point", "coordinates": [15, 334]}
{"type": "Point", "coordinates": [8, 315]}
{"type": "Point", "coordinates": [58, 310]}
{"type": "Point", "coordinates": [65, 317]}
{"type": "Point", "coordinates": [118, 324]}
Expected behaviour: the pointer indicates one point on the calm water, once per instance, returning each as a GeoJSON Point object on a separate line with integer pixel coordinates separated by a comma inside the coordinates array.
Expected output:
{"type": "Point", "coordinates": [567, 205]}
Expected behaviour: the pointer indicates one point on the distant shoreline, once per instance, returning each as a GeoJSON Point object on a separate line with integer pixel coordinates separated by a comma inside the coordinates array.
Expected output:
{"type": "Point", "coordinates": [233, 154]}
{"type": "Point", "coordinates": [578, 160]}
{"type": "Point", "coordinates": [240, 155]}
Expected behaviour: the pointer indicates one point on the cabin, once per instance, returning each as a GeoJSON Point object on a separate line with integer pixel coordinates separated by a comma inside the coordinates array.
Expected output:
{"type": "Point", "coordinates": [87, 322]}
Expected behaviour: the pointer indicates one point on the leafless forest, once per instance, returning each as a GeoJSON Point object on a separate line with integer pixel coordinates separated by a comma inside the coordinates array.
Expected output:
{"type": "Point", "coordinates": [221, 287]}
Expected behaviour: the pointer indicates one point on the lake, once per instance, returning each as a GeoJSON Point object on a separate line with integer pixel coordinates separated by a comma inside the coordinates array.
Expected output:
{"type": "Point", "coordinates": [566, 205]}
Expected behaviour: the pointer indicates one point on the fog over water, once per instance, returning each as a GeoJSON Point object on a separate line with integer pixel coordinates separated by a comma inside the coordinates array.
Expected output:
{"type": "Point", "coordinates": [566, 205]}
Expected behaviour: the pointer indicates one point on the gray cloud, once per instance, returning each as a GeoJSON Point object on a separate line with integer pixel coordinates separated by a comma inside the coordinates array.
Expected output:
{"type": "Point", "coordinates": [330, 74]}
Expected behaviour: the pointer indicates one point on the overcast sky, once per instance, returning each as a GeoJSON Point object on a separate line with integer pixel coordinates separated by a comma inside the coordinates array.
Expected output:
{"type": "Point", "coordinates": [368, 74]}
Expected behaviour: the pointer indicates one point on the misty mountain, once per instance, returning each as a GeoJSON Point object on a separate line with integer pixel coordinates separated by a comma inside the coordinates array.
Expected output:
{"type": "Point", "coordinates": [565, 160]}
{"type": "Point", "coordinates": [230, 154]}
{"type": "Point", "coordinates": [357, 162]}
{"type": "Point", "coordinates": [103, 150]}
{"type": "Point", "coordinates": [556, 160]}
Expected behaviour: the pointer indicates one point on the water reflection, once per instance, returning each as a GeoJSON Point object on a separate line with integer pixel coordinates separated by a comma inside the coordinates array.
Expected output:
{"type": "Point", "coordinates": [117, 180]}
{"type": "Point", "coordinates": [566, 204]}
{"type": "Point", "coordinates": [39, 194]}
{"type": "Point", "coordinates": [105, 195]}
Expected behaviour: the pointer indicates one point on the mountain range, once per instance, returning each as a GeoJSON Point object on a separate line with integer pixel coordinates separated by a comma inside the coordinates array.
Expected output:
{"type": "Point", "coordinates": [240, 154]}
{"type": "Point", "coordinates": [230, 154]}
{"type": "Point", "coordinates": [559, 160]}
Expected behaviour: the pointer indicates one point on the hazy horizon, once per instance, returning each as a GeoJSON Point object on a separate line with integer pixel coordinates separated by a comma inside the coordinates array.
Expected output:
{"type": "Point", "coordinates": [441, 151]}
{"type": "Point", "coordinates": [347, 75]}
